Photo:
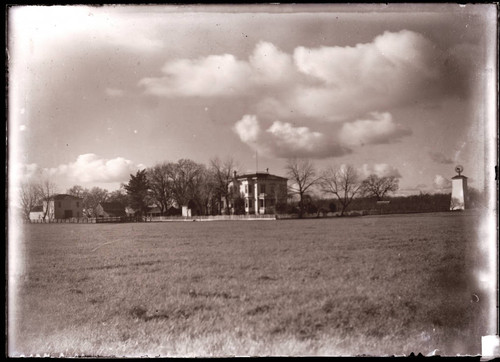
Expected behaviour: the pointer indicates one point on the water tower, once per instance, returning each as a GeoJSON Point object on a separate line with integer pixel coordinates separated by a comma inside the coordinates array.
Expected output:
{"type": "Point", "coordinates": [458, 190]}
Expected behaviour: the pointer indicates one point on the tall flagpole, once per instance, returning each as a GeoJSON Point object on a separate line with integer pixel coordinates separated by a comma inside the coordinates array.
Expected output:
{"type": "Point", "coordinates": [256, 162]}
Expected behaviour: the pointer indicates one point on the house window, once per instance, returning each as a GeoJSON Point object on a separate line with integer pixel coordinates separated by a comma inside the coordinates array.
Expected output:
{"type": "Point", "coordinates": [261, 203]}
{"type": "Point", "coordinates": [246, 189]}
{"type": "Point", "coordinates": [263, 189]}
{"type": "Point", "coordinates": [272, 189]}
{"type": "Point", "coordinates": [77, 204]}
{"type": "Point", "coordinates": [246, 203]}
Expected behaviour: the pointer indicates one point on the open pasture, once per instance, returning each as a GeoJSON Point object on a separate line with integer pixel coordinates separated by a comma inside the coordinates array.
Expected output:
{"type": "Point", "coordinates": [382, 285]}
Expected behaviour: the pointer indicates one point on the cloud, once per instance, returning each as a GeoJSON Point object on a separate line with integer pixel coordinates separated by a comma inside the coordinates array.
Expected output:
{"type": "Point", "coordinates": [378, 130]}
{"type": "Point", "coordinates": [215, 75]}
{"type": "Point", "coordinates": [43, 30]}
{"type": "Point", "coordinates": [89, 168]}
{"type": "Point", "coordinates": [223, 75]}
{"type": "Point", "coordinates": [379, 169]}
{"type": "Point", "coordinates": [248, 129]}
{"type": "Point", "coordinates": [270, 65]}
{"type": "Point", "coordinates": [353, 87]}
{"type": "Point", "coordinates": [441, 183]}
{"type": "Point", "coordinates": [394, 69]}
{"type": "Point", "coordinates": [440, 158]}
{"type": "Point", "coordinates": [282, 139]}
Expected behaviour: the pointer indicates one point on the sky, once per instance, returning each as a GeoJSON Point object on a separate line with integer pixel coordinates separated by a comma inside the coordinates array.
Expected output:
{"type": "Point", "coordinates": [97, 93]}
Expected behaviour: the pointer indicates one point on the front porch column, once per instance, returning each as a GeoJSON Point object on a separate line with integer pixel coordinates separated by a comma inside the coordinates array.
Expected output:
{"type": "Point", "coordinates": [256, 190]}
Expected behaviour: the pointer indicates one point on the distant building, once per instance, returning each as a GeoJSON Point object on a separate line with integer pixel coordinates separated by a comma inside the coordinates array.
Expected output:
{"type": "Point", "coordinates": [62, 206]}
{"type": "Point", "coordinates": [110, 209]}
{"type": "Point", "coordinates": [153, 210]}
{"type": "Point", "coordinates": [260, 191]}
{"type": "Point", "coordinates": [36, 213]}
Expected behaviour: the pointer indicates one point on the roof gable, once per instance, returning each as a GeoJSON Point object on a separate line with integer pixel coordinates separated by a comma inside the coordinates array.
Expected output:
{"type": "Point", "coordinates": [261, 175]}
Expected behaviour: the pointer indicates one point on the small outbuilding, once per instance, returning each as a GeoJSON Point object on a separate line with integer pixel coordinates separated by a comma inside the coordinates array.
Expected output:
{"type": "Point", "coordinates": [110, 209]}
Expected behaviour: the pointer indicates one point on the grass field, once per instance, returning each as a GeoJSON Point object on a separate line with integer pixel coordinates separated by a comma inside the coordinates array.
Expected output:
{"type": "Point", "coordinates": [381, 285]}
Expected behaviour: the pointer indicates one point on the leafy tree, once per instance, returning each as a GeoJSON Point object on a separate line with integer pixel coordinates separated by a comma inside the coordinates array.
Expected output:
{"type": "Point", "coordinates": [378, 187]}
{"type": "Point", "coordinates": [138, 191]}
{"type": "Point", "coordinates": [343, 182]}
{"type": "Point", "coordinates": [239, 205]}
{"type": "Point", "coordinates": [120, 196]}
{"type": "Point", "coordinates": [302, 174]}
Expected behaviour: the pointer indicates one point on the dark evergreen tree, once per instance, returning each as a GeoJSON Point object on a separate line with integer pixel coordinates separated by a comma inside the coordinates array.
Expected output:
{"type": "Point", "coordinates": [138, 192]}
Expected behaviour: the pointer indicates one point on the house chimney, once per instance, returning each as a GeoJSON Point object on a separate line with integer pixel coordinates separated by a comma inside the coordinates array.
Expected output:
{"type": "Point", "coordinates": [267, 170]}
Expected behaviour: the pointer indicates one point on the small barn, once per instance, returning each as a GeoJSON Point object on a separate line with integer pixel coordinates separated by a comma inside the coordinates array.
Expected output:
{"type": "Point", "coordinates": [153, 210]}
{"type": "Point", "coordinates": [36, 213]}
{"type": "Point", "coordinates": [110, 209]}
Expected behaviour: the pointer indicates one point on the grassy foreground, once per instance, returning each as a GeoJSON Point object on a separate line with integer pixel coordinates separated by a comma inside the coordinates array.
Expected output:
{"type": "Point", "coordinates": [385, 285]}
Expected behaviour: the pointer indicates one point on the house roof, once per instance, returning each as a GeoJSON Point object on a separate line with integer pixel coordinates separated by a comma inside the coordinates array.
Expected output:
{"type": "Point", "coordinates": [153, 209]}
{"type": "Point", "coordinates": [112, 206]}
{"type": "Point", "coordinates": [64, 196]}
{"type": "Point", "coordinates": [260, 175]}
{"type": "Point", "coordinates": [37, 209]}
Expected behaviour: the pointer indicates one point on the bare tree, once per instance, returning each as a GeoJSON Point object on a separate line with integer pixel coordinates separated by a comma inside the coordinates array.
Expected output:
{"type": "Point", "coordinates": [302, 175]}
{"type": "Point", "coordinates": [92, 199]}
{"type": "Point", "coordinates": [343, 182]}
{"type": "Point", "coordinates": [161, 184]}
{"type": "Point", "coordinates": [374, 186]}
{"type": "Point", "coordinates": [29, 197]}
{"type": "Point", "coordinates": [186, 175]}
{"type": "Point", "coordinates": [77, 191]}
{"type": "Point", "coordinates": [223, 173]}
{"type": "Point", "coordinates": [46, 190]}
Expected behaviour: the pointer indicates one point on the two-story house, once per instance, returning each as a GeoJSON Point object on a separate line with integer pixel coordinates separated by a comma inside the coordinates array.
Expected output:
{"type": "Point", "coordinates": [260, 191]}
{"type": "Point", "coordinates": [63, 206]}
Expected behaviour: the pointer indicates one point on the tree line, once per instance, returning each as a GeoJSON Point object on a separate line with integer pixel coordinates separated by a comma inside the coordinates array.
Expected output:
{"type": "Point", "coordinates": [343, 183]}
{"type": "Point", "coordinates": [205, 189]}
{"type": "Point", "coordinates": [168, 185]}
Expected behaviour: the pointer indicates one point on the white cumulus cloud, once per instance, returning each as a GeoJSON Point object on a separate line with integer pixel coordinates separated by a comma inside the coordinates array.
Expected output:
{"type": "Point", "coordinates": [380, 128]}
{"type": "Point", "coordinates": [335, 85]}
{"type": "Point", "coordinates": [215, 75]}
{"type": "Point", "coordinates": [379, 169]}
{"type": "Point", "coordinates": [441, 183]}
{"type": "Point", "coordinates": [394, 69]}
{"type": "Point", "coordinates": [248, 128]}
{"type": "Point", "coordinates": [283, 139]}
{"type": "Point", "coordinates": [90, 168]}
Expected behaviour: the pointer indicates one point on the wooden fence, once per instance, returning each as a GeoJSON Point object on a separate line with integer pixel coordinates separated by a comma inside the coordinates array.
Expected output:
{"type": "Point", "coordinates": [89, 220]}
{"type": "Point", "coordinates": [73, 220]}
{"type": "Point", "coordinates": [210, 218]}
{"type": "Point", "coordinates": [123, 219]}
